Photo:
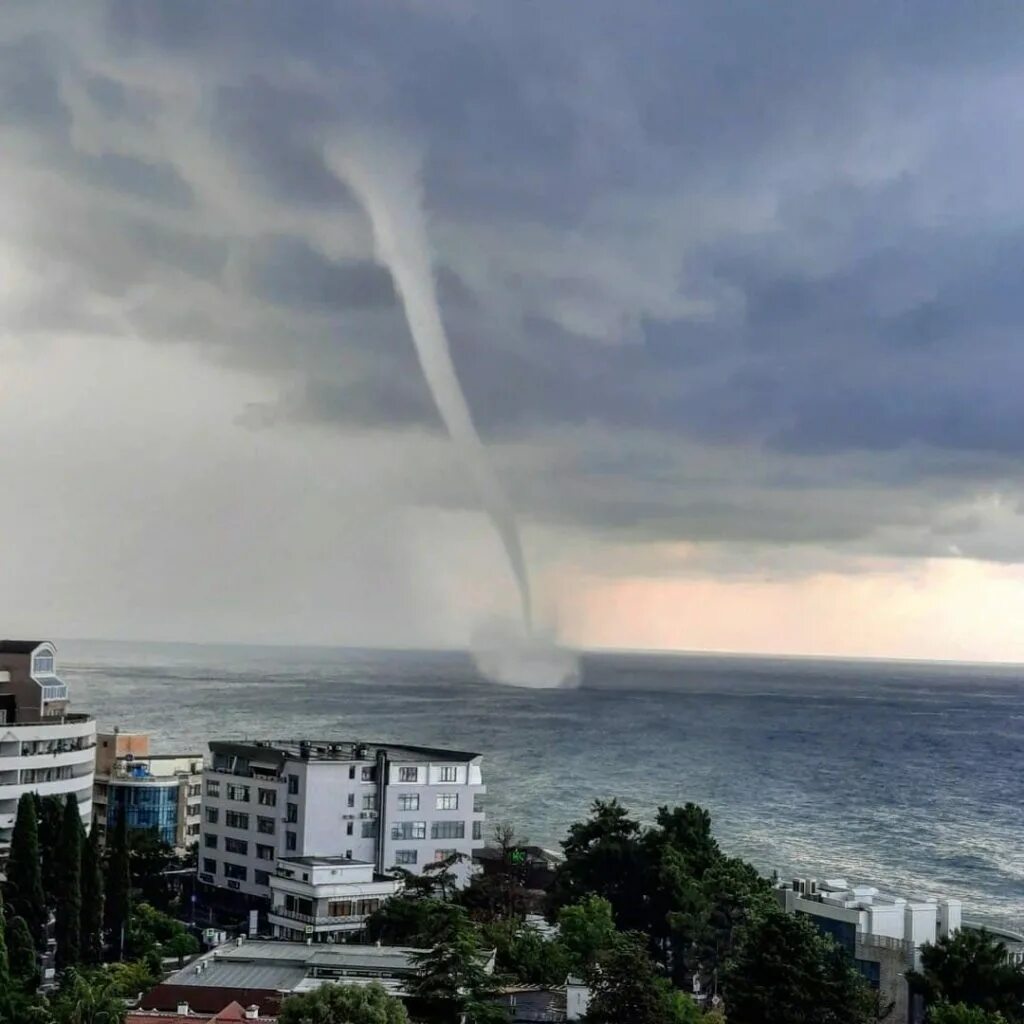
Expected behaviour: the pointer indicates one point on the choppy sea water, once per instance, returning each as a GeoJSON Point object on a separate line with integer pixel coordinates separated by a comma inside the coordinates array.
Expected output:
{"type": "Point", "coordinates": [904, 775]}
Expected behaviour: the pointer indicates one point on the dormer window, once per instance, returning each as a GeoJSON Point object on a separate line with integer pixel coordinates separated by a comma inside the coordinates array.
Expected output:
{"type": "Point", "coordinates": [43, 664]}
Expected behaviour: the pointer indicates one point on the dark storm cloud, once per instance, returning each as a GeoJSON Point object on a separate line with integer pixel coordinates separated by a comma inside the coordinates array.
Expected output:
{"type": "Point", "coordinates": [794, 230]}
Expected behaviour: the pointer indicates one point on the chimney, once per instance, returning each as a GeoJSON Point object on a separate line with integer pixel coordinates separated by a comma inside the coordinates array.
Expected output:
{"type": "Point", "coordinates": [252, 1012]}
{"type": "Point", "coordinates": [182, 1009]}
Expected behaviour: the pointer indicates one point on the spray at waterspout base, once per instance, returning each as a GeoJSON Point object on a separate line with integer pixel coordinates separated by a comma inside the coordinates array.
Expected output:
{"type": "Point", "coordinates": [509, 655]}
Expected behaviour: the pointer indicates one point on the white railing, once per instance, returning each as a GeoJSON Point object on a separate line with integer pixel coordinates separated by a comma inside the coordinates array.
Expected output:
{"type": "Point", "coordinates": [58, 691]}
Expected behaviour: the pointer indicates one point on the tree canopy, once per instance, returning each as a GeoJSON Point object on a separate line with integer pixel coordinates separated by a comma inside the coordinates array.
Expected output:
{"type": "Point", "coordinates": [341, 1004]}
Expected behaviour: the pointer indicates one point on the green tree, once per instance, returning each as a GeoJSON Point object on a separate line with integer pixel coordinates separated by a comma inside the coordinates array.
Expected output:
{"type": "Point", "coordinates": [22, 957]}
{"type": "Point", "coordinates": [406, 920]}
{"type": "Point", "coordinates": [87, 999]}
{"type": "Point", "coordinates": [6, 982]}
{"type": "Point", "coordinates": [586, 929]}
{"type": "Point", "coordinates": [522, 952]}
{"type": "Point", "coordinates": [342, 1004]}
{"type": "Point", "coordinates": [149, 858]}
{"type": "Point", "coordinates": [92, 899]}
{"type": "Point", "coordinates": [453, 974]}
{"type": "Point", "coordinates": [118, 907]}
{"type": "Point", "coordinates": [24, 874]}
{"type": "Point", "coordinates": [971, 967]}
{"type": "Point", "coordinates": [152, 931]}
{"type": "Point", "coordinates": [959, 1013]}
{"type": "Point", "coordinates": [132, 977]}
{"type": "Point", "coordinates": [626, 986]}
{"type": "Point", "coordinates": [69, 901]}
{"type": "Point", "coordinates": [783, 970]}
{"type": "Point", "coordinates": [604, 856]}
{"type": "Point", "coordinates": [50, 814]}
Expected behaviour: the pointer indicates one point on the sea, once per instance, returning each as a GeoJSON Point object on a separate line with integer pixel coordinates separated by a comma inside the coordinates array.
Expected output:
{"type": "Point", "coordinates": [904, 775]}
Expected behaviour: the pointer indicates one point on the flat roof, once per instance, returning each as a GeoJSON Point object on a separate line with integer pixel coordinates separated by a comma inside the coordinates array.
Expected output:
{"type": "Point", "coordinates": [334, 750]}
{"type": "Point", "coordinates": [327, 862]}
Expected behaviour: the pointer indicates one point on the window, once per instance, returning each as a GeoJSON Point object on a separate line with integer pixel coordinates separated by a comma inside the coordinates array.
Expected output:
{"type": "Point", "coordinates": [239, 871]}
{"type": "Point", "coordinates": [349, 827]}
{"type": "Point", "coordinates": [239, 793]}
{"type": "Point", "coordinates": [268, 797]}
{"type": "Point", "coordinates": [447, 830]}
{"type": "Point", "coordinates": [348, 855]}
{"type": "Point", "coordinates": [196, 790]}
{"type": "Point", "coordinates": [192, 830]}
{"type": "Point", "coordinates": [290, 841]}
{"type": "Point", "coordinates": [409, 830]}
{"type": "Point", "coordinates": [369, 830]}
{"type": "Point", "coordinates": [264, 852]}
{"type": "Point", "coordinates": [44, 664]}
{"type": "Point", "coordinates": [265, 825]}
{"type": "Point", "coordinates": [370, 802]}
{"type": "Point", "coordinates": [351, 799]}
{"type": "Point", "coordinates": [261, 877]}
{"type": "Point", "coordinates": [405, 856]}
{"type": "Point", "coordinates": [293, 784]}
{"type": "Point", "coordinates": [447, 801]}
{"type": "Point", "coordinates": [369, 774]}
{"type": "Point", "coordinates": [210, 841]}
{"type": "Point", "coordinates": [209, 866]}
{"type": "Point", "coordinates": [212, 814]}
{"type": "Point", "coordinates": [239, 846]}
{"type": "Point", "coordinates": [440, 855]}
{"type": "Point", "coordinates": [479, 804]}
{"type": "Point", "coordinates": [478, 830]}
{"type": "Point", "coordinates": [213, 788]}
{"type": "Point", "coordinates": [352, 772]}
{"type": "Point", "coordinates": [449, 773]}
{"type": "Point", "coordinates": [408, 775]}
{"type": "Point", "coordinates": [293, 812]}
{"type": "Point", "coordinates": [409, 801]}
{"type": "Point", "coordinates": [235, 819]}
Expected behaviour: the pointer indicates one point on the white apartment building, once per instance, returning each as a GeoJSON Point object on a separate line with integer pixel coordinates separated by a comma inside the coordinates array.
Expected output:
{"type": "Point", "coordinates": [881, 932]}
{"type": "Point", "coordinates": [385, 804]}
{"type": "Point", "coordinates": [44, 748]}
{"type": "Point", "coordinates": [325, 899]}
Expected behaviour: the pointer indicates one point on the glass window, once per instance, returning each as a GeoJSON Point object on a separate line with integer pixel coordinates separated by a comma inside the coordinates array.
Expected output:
{"type": "Point", "coordinates": [239, 871]}
{"type": "Point", "coordinates": [264, 852]}
{"type": "Point", "coordinates": [448, 830]}
{"type": "Point", "coordinates": [290, 841]}
{"type": "Point", "coordinates": [405, 856]}
{"type": "Point", "coordinates": [369, 830]}
{"type": "Point", "coordinates": [261, 877]}
{"type": "Point", "coordinates": [349, 827]}
{"type": "Point", "coordinates": [44, 664]}
{"type": "Point", "coordinates": [268, 797]}
{"type": "Point", "coordinates": [213, 788]}
{"type": "Point", "coordinates": [210, 841]}
{"type": "Point", "coordinates": [265, 825]}
{"type": "Point", "coordinates": [293, 812]}
{"type": "Point", "coordinates": [370, 802]}
{"type": "Point", "coordinates": [440, 855]}
{"type": "Point", "coordinates": [409, 830]}
{"type": "Point", "coordinates": [449, 773]}
{"type": "Point", "coordinates": [351, 799]}
{"type": "Point", "coordinates": [236, 819]}
{"type": "Point", "coordinates": [408, 775]}
{"type": "Point", "coordinates": [236, 846]}
{"type": "Point", "coordinates": [352, 772]}
{"type": "Point", "coordinates": [369, 773]}
{"type": "Point", "coordinates": [478, 830]}
{"type": "Point", "coordinates": [209, 866]}
{"type": "Point", "coordinates": [212, 814]}
{"type": "Point", "coordinates": [239, 793]}
{"type": "Point", "coordinates": [447, 801]}
{"type": "Point", "coordinates": [408, 801]}
{"type": "Point", "coordinates": [293, 784]}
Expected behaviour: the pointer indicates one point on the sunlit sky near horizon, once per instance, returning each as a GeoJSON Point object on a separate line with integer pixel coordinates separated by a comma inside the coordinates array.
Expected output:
{"type": "Point", "coordinates": [733, 290]}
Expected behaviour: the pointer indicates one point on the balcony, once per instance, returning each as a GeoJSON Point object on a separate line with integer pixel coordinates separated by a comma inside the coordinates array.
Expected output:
{"type": "Point", "coordinates": [321, 922]}
{"type": "Point", "coordinates": [55, 691]}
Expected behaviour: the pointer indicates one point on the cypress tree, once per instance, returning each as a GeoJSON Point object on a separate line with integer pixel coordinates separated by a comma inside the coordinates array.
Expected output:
{"type": "Point", "coordinates": [21, 955]}
{"type": "Point", "coordinates": [24, 879]}
{"type": "Point", "coordinates": [5, 969]}
{"type": "Point", "coordinates": [51, 817]}
{"type": "Point", "coordinates": [92, 899]}
{"type": "Point", "coordinates": [69, 899]}
{"type": "Point", "coordinates": [118, 905]}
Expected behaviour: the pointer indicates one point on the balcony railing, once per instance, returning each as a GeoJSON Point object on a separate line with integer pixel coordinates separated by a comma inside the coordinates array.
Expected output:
{"type": "Point", "coordinates": [313, 919]}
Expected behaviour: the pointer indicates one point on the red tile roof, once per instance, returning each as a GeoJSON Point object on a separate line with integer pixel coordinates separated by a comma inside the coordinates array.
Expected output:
{"type": "Point", "coordinates": [234, 1011]}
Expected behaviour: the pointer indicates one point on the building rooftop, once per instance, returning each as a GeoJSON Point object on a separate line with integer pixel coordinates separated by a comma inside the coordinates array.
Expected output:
{"type": "Point", "coordinates": [326, 862]}
{"type": "Point", "coordinates": [20, 646]}
{"type": "Point", "coordinates": [334, 750]}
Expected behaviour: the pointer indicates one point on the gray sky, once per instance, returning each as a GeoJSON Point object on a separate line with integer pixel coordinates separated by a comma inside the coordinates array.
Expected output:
{"type": "Point", "coordinates": [733, 289]}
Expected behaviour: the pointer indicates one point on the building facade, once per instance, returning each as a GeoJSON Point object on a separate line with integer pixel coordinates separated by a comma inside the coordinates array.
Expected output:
{"type": "Point", "coordinates": [325, 899]}
{"type": "Point", "coordinates": [44, 748]}
{"type": "Point", "coordinates": [883, 934]}
{"type": "Point", "coordinates": [160, 791]}
{"type": "Point", "coordinates": [386, 805]}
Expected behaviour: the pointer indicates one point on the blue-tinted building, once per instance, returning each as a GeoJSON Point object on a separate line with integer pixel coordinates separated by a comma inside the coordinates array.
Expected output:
{"type": "Point", "coordinates": [152, 791]}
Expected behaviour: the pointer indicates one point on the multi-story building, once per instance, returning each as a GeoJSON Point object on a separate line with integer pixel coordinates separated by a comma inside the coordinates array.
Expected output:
{"type": "Point", "coordinates": [387, 805]}
{"type": "Point", "coordinates": [160, 791]}
{"type": "Point", "coordinates": [325, 898]}
{"type": "Point", "coordinates": [883, 934]}
{"type": "Point", "coordinates": [44, 748]}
